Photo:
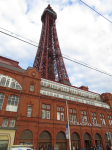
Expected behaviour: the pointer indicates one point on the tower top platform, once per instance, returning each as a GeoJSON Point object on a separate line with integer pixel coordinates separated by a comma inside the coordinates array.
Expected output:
{"type": "Point", "coordinates": [50, 11]}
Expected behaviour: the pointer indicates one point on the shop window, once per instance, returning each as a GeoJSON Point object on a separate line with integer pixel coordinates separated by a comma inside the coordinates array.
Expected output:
{"type": "Point", "coordinates": [60, 113]}
{"type": "Point", "coordinates": [102, 118]}
{"type": "Point", "coordinates": [32, 87]}
{"type": "Point", "coordinates": [12, 123]}
{"type": "Point", "coordinates": [5, 123]}
{"type": "Point", "coordinates": [29, 111]}
{"type": "Point", "coordinates": [73, 115]}
{"type": "Point", "coordinates": [45, 111]}
{"type": "Point", "coordinates": [12, 103]}
{"type": "Point", "coordinates": [110, 120]}
{"type": "Point", "coordinates": [83, 116]}
{"type": "Point", "coordinates": [2, 96]}
{"type": "Point", "coordinates": [4, 144]}
{"type": "Point", "coordinates": [93, 116]}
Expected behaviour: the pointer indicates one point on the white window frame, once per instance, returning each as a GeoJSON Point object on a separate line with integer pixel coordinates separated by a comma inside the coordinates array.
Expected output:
{"type": "Point", "coordinates": [1, 103]}
{"type": "Point", "coordinates": [5, 123]}
{"type": "Point", "coordinates": [29, 110]}
{"type": "Point", "coordinates": [12, 121]}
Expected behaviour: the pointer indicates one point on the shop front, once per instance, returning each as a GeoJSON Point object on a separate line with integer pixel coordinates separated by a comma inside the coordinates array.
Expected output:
{"type": "Point", "coordinates": [6, 138]}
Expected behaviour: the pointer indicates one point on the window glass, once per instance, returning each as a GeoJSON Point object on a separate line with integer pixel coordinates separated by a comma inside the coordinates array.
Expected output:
{"type": "Point", "coordinates": [3, 80]}
{"type": "Point", "coordinates": [62, 109]}
{"type": "Point", "coordinates": [58, 115]}
{"type": "Point", "coordinates": [81, 112]}
{"type": "Point", "coordinates": [74, 117]}
{"type": "Point", "coordinates": [5, 123]}
{"type": "Point", "coordinates": [58, 108]}
{"type": "Point", "coordinates": [48, 114]}
{"type": "Point", "coordinates": [62, 116]}
{"type": "Point", "coordinates": [43, 106]}
{"type": "Point", "coordinates": [48, 106]}
{"type": "Point", "coordinates": [84, 112]}
{"type": "Point", "coordinates": [29, 111]}
{"type": "Point", "coordinates": [74, 111]}
{"type": "Point", "coordinates": [13, 100]}
{"type": "Point", "coordinates": [43, 114]}
{"type": "Point", "coordinates": [71, 117]}
{"type": "Point", "coordinates": [2, 96]}
{"type": "Point", "coordinates": [71, 110]}
{"type": "Point", "coordinates": [32, 87]}
{"type": "Point", "coordinates": [12, 123]}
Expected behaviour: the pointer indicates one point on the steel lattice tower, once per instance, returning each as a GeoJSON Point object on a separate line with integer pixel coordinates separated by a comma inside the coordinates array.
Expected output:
{"type": "Point", "coordinates": [48, 60]}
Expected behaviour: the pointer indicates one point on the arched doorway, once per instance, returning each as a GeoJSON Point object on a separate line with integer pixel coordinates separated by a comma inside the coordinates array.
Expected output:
{"type": "Point", "coordinates": [107, 142]}
{"type": "Point", "coordinates": [61, 140]}
{"type": "Point", "coordinates": [26, 137]}
{"type": "Point", "coordinates": [75, 140]}
{"type": "Point", "coordinates": [87, 140]}
{"type": "Point", "coordinates": [44, 140]}
{"type": "Point", "coordinates": [97, 139]}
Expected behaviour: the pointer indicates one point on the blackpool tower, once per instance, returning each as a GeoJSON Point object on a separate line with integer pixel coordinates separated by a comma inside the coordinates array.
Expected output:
{"type": "Point", "coordinates": [49, 61]}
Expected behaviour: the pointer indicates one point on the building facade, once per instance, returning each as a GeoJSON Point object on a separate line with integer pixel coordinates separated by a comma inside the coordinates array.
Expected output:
{"type": "Point", "coordinates": [36, 110]}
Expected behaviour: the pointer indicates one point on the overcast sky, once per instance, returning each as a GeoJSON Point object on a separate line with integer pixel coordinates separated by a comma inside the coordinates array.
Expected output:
{"type": "Point", "coordinates": [82, 34]}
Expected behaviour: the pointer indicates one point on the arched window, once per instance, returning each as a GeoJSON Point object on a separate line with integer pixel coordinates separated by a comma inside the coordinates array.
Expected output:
{"type": "Point", "coordinates": [12, 101]}
{"type": "Point", "coordinates": [26, 137]}
{"type": "Point", "coordinates": [2, 96]}
{"type": "Point", "coordinates": [9, 82]}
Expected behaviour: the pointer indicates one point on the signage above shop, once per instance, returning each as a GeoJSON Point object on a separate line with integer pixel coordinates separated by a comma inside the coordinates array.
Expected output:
{"type": "Point", "coordinates": [84, 124]}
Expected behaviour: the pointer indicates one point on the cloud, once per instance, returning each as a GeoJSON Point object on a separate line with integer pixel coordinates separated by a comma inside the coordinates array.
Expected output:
{"type": "Point", "coordinates": [82, 34]}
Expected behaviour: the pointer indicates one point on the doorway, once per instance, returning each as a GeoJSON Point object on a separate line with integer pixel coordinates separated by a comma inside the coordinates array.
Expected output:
{"type": "Point", "coordinates": [87, 140]}
{"type": "Point", "coordinates": [97, 139]}
{"type": "Point", "coordinates": [61, 140]}
{"type": "Point", "coordinates": [44, 140]}
{"type": "Point", "coordinates": [75, 141]}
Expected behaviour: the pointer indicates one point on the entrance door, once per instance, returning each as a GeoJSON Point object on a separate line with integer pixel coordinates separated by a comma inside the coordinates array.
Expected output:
{"type": "Point", "coordinates": [44, 140]}
{"type": "Point", "coordinates": [87, 140]}
{"type": "Point", "coordinates": [87, 144]}
{"type": "Point", "coordinates": [44, 144]}
{"type": "Point", "coordinates": [97, 139]}
{"type": "Point", "coordinates": [62, 146]}
{"type": "Point", "coordinates": [75, 140]}
{"type": "Point", "coordinates": [61, 141]}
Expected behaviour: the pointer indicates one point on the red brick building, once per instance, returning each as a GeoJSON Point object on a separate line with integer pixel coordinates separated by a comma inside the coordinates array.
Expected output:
{"type": "Point", "coordinates": [35, 110]}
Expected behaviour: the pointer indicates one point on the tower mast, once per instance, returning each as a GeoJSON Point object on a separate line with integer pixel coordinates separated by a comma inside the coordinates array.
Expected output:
{"type": "Point", "coordinates": [49, 61]}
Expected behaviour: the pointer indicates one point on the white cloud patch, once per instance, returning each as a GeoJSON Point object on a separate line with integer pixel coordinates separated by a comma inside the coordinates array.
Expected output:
{"type": "Point", "coordinates": [82, 34]}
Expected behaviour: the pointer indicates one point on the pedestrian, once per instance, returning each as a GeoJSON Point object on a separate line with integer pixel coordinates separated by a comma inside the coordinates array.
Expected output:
{"type": "Point", "coordinates": [73, 147]}
{"type": "Point", "coordinates": [41, 148]}
{"type": "Point", "coordinates": [95, 148]}
{"type": "Point", "coordinates": [50, 147]}
{"type": "Point", "coordinates": [111, 147]}
{"type": "Point", "coordinates": [76, 147]}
